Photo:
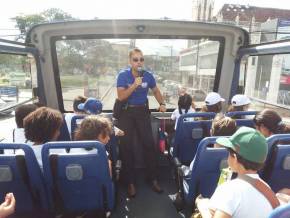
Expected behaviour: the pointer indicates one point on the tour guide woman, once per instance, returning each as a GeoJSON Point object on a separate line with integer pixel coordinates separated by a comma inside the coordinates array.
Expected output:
{"type": "Point", "coordinates": [132, 86]}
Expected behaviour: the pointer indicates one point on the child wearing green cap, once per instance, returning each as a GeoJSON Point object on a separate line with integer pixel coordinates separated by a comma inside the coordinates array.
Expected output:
{"type": "Point", "coordinates": [238, 198]}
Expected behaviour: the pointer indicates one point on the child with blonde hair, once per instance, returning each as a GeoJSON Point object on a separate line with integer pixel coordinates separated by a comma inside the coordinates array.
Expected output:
{"type": "Point", "coordinates": [94, 127]}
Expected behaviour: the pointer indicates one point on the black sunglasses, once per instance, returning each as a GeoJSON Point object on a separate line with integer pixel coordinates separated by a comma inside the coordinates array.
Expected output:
{"type": "Point", "coordinates": [136, 59]}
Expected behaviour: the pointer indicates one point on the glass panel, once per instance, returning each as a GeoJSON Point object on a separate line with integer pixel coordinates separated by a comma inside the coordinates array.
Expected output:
{"type": "Point", "coordinates": [90, 67]}
{"type": "Point", "coordinates": [268, 78]}
{"type": "Point", "coordinates": [17, 77]}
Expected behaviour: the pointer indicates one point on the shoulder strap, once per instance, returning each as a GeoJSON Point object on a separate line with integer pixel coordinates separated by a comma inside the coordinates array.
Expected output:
{"type": "Point", "coordinates": [263, 188]}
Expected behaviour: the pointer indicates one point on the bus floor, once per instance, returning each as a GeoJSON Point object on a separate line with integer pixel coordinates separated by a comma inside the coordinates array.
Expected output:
{"type": "Point", "coordinates": [148, 204]}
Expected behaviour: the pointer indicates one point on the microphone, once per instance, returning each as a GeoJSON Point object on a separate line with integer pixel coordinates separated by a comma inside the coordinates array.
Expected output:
{"type": "Point", "coordinates": [140, 71]}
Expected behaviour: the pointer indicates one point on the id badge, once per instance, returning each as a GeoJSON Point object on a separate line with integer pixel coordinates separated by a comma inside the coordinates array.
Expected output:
{"type": "Point", "coordinates": [144, 85]}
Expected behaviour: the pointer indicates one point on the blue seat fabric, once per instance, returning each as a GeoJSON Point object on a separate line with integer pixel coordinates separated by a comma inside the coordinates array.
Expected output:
{"type": "Point", "coordinates": [87, 192]}
{"type": "Point", "coordinates": [205, 172]}
{"type": "Point", "coordinates": [282, 211]}
{"type": "Point", "coordinates": [18, 186]}
{"type": "Point", "coordinates": [185, 145]}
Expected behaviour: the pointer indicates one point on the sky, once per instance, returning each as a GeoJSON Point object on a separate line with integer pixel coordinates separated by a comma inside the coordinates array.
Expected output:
{"type": "Point", "coordinates": [117, 9]}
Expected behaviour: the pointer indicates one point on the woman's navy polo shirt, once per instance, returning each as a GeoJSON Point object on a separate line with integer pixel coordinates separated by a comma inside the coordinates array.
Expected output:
{"type": "Point", "coordinates": [139, 96]}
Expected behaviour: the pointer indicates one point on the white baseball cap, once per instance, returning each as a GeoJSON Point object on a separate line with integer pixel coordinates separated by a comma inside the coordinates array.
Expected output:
{"type": "Point", "coordinates": [240, 100]}
{"type": "Point", "coordinates": [213, 98]}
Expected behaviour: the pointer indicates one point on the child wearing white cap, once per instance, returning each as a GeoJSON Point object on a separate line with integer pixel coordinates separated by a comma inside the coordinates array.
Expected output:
{"type": "Point", "coordinates": [213, 103]}
{"type": "Point", "coordinates": [239, 103]}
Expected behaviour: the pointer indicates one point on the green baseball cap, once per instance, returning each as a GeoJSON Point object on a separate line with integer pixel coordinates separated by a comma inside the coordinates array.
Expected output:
{"type": "Point", "coordinates": [248, 143]}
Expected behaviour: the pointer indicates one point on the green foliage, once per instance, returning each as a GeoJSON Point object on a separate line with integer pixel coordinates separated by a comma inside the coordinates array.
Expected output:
{"type": "Point", "coordinates": [56, 14]}
{"type": "Point", "coordinates": [91, 56]}
{"type": "Point", "coordinates": [25, 22]}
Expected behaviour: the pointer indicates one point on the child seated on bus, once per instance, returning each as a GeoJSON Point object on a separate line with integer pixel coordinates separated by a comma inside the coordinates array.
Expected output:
{"type": "Point", "coordinates": [68, 116]}
{"type": "Point", "coordinates": [239, 103]}
{"type": "Point", "coordinates": [20, 113]}
{"type": "Point", "coordinates": [235, 198]}
{"type": "Point", "coordinates": [94, 107]}
{"type": "Point", "coordinates": [269, 122]}
{"type": "Point", "coordinates": [213, 103]}
{"type": "Point", "coordinates": [223, 126]}
{"type": "Point", "coordinates": [184, 107]}
{"type": "Point", "coordinates": [94, 127]}
{"type": "Point", "coordinates": [41, 126]}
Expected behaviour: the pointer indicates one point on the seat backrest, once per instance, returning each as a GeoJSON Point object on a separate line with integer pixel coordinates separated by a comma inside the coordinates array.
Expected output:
{"type": "Point", "coordinates": [282, 211]}
{"type": "Point", "coordinates": [64, 133]}
{"type": "Point", "coordinates": [21, 175]}
{"type": "Point", "coordinates": [272, 142]}
{"type": "Point", "coordinates": [242, 119]}
{"type": "Point", "coordinates": [279, 176]}
{"type": "Point", "coordinates": [75, 121]}
{"type": "Point", "coordinates": [245, 122]}
{"type": "Point", "coordinates": [240, 113]}
{"type": "Point", "coordinates": [189, 133]}
{"type": "Point", "coordinates": [81, 182]}
{"type": "Point", "coordinates": [206, 170]}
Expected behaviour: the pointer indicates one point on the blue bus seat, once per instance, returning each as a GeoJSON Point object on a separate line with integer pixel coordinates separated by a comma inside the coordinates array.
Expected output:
{"type": "Point", "coordinates": [245, 122]}
{"type": "Point", "coordinates": [75, 120]}
{"type": "Point", "coordinates": [240, 113]}
{"type": "Point", "coordinates": [189, 133]}
{"type": "Point", "coordinates": [205, 171]}
{"type": "Point", "coordinates": [270, 164]}
{"type": "Point", "coordinates": [279, 177]}
{"type": "Point", "coordinates": [21, 175]}
{"type": "Point", "coordinates": [64, 133]}
{"type": "Point", "coordinates": [238, 116]}
{"type": "Point", "coordinates": [282, 211]}
{"type": "Point", "coordinates": [76, 182]}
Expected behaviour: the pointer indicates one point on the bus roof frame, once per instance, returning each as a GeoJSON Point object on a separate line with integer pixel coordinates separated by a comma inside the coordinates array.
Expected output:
{"type": "Point", "coordinates": [43, 36]}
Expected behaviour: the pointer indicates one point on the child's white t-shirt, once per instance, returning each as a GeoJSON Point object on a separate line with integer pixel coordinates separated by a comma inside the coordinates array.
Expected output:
{"type": "Point", "coordinates": [238, 198]}
{"type": "Point", "coordinates": [175, 114]}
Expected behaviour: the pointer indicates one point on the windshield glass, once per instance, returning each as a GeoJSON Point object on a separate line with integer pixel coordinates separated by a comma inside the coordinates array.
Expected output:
{"type": "Point", "coordinates": [90, 67]}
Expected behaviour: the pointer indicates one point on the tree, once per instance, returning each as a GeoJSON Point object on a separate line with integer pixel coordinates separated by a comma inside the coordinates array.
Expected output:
{"type": "Point", "coordinates": [25, 22]}
{"type": "Point", "coordinates": [56, 14]}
